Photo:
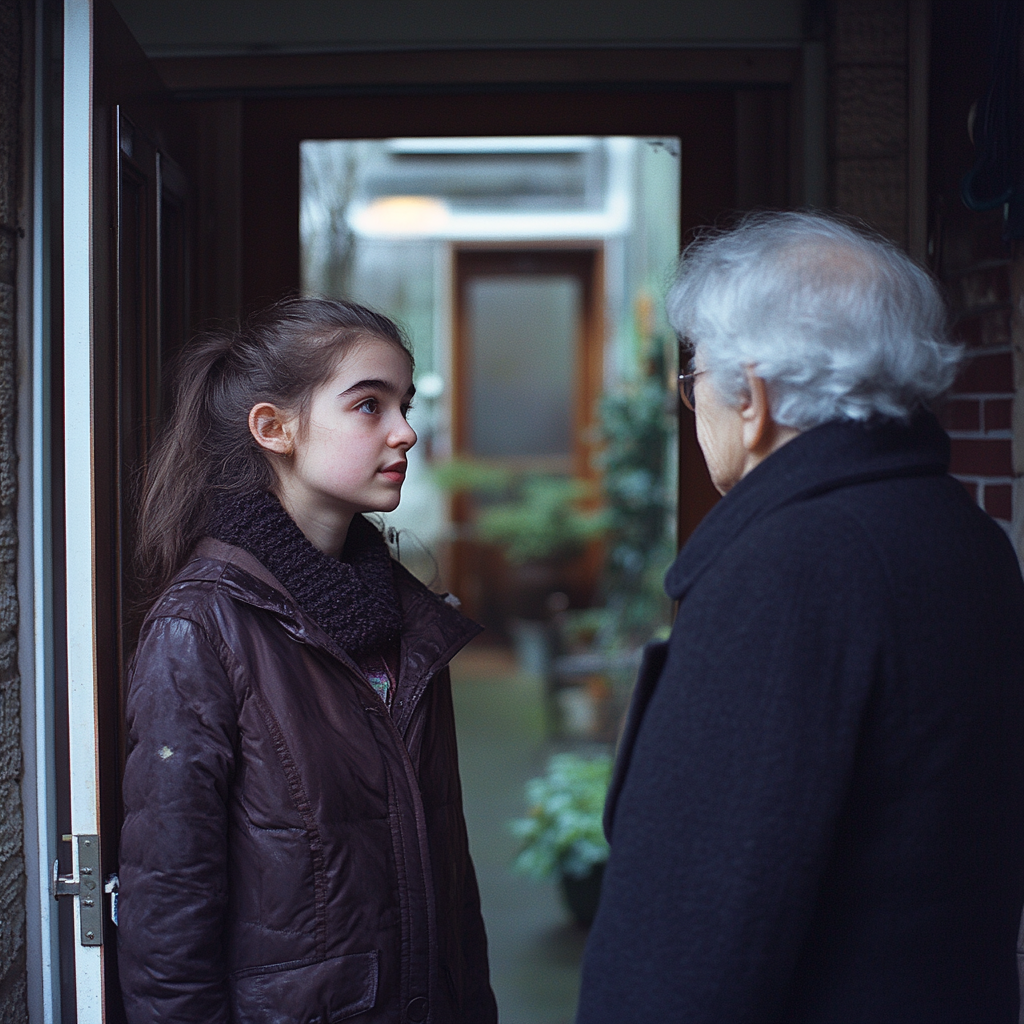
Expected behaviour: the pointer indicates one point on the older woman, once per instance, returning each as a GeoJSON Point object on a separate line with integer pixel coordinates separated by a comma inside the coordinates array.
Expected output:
{"type": "Point", "coordinates": [818, 808]}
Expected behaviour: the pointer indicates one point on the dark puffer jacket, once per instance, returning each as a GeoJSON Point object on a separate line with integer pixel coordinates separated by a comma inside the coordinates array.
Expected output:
{"type": "Point", "coordinates": [291, 851]}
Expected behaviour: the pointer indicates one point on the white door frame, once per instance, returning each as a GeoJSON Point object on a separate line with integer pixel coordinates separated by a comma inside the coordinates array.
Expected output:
{"type": "Point", "coordinates": [80, 507]}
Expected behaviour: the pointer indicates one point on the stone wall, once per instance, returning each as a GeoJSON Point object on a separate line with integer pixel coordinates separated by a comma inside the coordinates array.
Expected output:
{"type": "Point", "coordinates": [869, 112]}
{"type": "Point", "coordinates": [13, 1004]}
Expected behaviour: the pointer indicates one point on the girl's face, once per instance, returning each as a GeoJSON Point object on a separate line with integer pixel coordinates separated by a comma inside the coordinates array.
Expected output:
{"type": "Point", "coordinates": [351, 456]}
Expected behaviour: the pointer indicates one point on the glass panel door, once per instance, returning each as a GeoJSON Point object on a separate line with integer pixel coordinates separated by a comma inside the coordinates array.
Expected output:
{"type": "Point", "coordinates": [523, 338]}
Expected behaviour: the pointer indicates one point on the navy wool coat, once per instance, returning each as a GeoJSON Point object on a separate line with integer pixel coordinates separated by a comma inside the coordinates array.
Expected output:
{"type": "Point", "coordinates": [817, 812]}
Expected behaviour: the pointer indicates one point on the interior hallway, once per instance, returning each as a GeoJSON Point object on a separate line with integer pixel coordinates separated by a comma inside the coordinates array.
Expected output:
{"type": "Point", "coordinates": [535, 951]}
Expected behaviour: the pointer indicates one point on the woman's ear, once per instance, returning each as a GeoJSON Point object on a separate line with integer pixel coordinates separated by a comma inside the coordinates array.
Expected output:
{"type": "Point", "coordinates": [273, 430]}
{"type": "Point", "coordinates": [757, 415]}
{"type": "Point", "coordinates": [761, 434]}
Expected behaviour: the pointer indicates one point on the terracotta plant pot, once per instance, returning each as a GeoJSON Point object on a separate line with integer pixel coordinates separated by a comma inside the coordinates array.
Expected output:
{"type": "Point", "coordinates": [582, 895]}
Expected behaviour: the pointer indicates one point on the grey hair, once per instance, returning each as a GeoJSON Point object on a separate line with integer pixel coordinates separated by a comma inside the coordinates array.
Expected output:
{"type": "Point", "coordinates": [839, 324]}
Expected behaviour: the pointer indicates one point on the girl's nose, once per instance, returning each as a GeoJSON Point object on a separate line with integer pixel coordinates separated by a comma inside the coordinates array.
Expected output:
{"type": "Point", "coordinates": [403, 436]}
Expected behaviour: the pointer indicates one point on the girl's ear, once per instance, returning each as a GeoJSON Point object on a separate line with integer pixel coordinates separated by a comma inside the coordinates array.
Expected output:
{"type": "Point", "coordinates": [272, 429]}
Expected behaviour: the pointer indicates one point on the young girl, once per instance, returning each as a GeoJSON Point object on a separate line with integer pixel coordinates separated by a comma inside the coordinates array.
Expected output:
{"type": "Point", "coordinates": [293, 848]}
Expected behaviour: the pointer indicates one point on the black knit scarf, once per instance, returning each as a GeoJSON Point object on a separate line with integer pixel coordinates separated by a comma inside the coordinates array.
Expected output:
{"type": "Point", "coordinates": [352, 597]}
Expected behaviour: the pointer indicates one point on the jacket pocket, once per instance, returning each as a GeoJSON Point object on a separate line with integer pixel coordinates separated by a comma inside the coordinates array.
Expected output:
{"type": "Point", "coordinates": [301, 992]}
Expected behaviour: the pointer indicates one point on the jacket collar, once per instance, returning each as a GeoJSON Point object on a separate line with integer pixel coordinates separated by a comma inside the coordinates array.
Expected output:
{"type": "Point", "coordinates": [433, 631]}
{"type": "Point", "coordinates": [352, 596]}
{"type": "Point", "coordinates": [822, 459]}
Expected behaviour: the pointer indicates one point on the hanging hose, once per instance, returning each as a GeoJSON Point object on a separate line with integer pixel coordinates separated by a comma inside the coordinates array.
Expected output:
{"type": "Point", "coordinates": [995, 178]}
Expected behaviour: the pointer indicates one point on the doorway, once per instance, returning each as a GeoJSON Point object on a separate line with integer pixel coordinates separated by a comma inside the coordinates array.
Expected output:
{"type": "Point", "coordinates": [528, 346]}
{"type": "Point", "coordinates": [239, 246]}
{"type": "Point", "coordinates": [527, 271]}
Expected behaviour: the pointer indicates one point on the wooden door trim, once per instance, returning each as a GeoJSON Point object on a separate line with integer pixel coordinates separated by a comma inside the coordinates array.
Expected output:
{"type": "Point", "coordinates": [581, 258]}
{"type": "Point", "coordinates": [497, 67]}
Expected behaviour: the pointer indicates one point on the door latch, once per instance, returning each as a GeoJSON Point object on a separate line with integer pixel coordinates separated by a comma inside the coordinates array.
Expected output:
{"type": "Point", "coordinates": [87, 887]}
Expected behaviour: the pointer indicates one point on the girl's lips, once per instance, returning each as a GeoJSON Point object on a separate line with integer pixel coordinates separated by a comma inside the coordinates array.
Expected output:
{"type": "Point", "coordinates": [395, 473]}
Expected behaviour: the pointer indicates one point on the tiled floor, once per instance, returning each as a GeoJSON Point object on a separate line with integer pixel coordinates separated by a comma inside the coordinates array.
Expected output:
{"type": "Point", "coordinates": [535, 952]}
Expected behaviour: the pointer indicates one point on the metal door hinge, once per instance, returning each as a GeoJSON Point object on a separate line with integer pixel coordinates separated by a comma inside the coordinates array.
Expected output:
{"type": "Point", "coordinates": [87, 887]}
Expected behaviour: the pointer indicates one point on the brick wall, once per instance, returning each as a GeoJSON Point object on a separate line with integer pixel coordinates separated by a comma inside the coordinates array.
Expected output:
{"type": "Point", "coordinates": [975, 265]}
{"type": "Point", "coordinates": [871, 178]}
{"type": "Point", "coordinates": [1017, 411]}
{"type": "Point", "coordinates": [979, 412]}
{"type": "Point", "coordinates": [13, 1004]}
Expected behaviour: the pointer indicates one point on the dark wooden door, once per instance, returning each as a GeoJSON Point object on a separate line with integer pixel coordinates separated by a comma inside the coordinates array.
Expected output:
{"type": "Point", "coordinates": [138, 311]}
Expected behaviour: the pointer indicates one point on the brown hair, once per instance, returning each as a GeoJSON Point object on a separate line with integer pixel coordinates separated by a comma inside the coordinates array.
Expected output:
{"type": "Point", "coordinates": [280, 354]}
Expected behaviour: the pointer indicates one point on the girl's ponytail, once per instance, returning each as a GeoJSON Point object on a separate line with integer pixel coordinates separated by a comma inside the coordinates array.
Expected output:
{"type": "Point", "coordinates": [178, 481]}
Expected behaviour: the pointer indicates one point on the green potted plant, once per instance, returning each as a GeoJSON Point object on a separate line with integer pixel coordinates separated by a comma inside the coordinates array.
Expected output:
{"type": "Point", "coordinates": [562, 835]}
{"type": "Point", "coordinates": [540, 522]}
{"type": "Point", "coordinates": [637, 497]}
{"type": "Point", "coordinates": [532, 516]}
{"type": "Point", "coordinates": [598, 649]}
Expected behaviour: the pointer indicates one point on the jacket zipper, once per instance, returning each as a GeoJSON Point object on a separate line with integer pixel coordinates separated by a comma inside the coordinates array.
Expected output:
{"type": "Point", "coordinates": [426, 870]}
{"type": "Point", "coordinates": [380, 708]}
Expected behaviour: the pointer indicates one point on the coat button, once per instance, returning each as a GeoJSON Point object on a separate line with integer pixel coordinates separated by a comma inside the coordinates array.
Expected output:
{"type": "Point", "coordinates": [417, 1009]}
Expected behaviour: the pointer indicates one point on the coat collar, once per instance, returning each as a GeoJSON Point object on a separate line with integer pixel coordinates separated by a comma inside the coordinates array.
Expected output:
{"type": "Point", "coordinates": [822, 459]}
{"type": "Point", "coordinates": [433, 631]}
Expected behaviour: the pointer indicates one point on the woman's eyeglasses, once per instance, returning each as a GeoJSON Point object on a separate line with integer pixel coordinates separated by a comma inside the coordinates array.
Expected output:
{"type": "Point", "coordinates": [686, 381]}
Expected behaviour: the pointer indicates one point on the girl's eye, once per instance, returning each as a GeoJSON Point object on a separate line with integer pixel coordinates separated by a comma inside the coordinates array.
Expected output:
{"type": "Point", "coordinates": [369, 405]}
{"type": "Point", "coordinates": [405, 409]}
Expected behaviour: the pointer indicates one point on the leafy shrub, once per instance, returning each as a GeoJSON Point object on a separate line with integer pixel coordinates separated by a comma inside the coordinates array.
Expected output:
{"type": "Point", "coordinates": [531, 516]}
{"type": "Point", "coordinates": [562, 833]}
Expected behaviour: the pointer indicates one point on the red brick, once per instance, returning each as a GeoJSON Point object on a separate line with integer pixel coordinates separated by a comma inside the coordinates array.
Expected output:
{"type": "Point", "coordinates": [986, 373]}
{"type": "Point", "coordinates": [961, 414]}
{"type": "Point", "coordinates": [999, 501]}
{"type": "Point", "coordinates": [983, 457]}
{"type": "Point", "coordinates": [998, 414]}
